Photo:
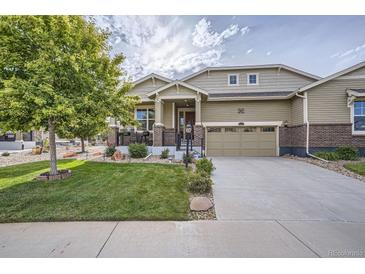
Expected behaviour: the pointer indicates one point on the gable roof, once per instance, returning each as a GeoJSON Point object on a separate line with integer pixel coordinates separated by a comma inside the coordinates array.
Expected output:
{"type": "Point", "coordinates": [189, 86]}
{"type": "Point", "coordinates": [152, 75]}
{"type": "Point", "coordinates": [332, 76]}
{"type": "Point", "coordinates": [279, 66]}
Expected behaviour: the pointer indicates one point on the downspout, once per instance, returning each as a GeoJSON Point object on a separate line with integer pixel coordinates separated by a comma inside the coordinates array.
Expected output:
{"type": "Point", "coordinates": [306, 121]}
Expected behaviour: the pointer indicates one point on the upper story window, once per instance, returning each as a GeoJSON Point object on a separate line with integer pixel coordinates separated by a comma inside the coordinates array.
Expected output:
{"type": "Point", "coordinates": [146, 118]}
{"type": "Point", "coordinates": [359, 116]}
{"type": "Point", "coordinates": [233, 80]}
{"type": "Point", "coordinates": [252, 79]}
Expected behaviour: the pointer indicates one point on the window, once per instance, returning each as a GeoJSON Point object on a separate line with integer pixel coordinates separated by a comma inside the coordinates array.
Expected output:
{"type": "Point", "coordinates": [146, 118]}
{"type": "Point", "coordinates": [267, 129]}
{"type": "Point", "coordinates": [231, 129]}
{"type": "Point", "coordinates": [359, 116]}
{"type": "Point", "coordinates": [214, 129]}
{"type": "Point", "coordinates": [233, 80]}
{"type": "Point", "coordinates": [249, 129]}
{"type": "Point", "coordinates": [252, 79]}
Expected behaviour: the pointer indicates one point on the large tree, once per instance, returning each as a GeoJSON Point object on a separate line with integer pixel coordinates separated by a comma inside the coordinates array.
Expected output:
{"type": "Point", "coordinates": [49, 67]}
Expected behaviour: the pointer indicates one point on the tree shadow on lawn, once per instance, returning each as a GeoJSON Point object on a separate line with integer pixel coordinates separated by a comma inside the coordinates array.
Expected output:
{"type": "Point", "coordinates": [24, 173]}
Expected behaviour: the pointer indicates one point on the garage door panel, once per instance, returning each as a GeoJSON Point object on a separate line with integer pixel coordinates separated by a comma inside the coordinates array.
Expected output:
{"type": "Point", "coordinates": [253, 141]}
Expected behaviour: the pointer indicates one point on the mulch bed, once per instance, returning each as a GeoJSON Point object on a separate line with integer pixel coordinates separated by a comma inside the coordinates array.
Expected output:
{"type": "Point", "coordinates": [337, 166]}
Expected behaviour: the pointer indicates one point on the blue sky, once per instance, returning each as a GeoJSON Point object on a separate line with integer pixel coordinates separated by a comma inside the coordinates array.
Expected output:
{"type": "Point", "coordinates": [175, 46]}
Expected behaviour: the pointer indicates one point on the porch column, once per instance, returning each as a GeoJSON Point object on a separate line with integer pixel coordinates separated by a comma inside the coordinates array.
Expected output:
{"type": "Point", "coordinates": [158, 127]}
{"type": "Point", "coordinates": [158, 112]}
{"type": "Point", "coordinates": [198, 119]}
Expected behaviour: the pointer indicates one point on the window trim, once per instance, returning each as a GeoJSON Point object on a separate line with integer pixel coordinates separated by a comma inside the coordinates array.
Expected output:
{"type": "Point", "coordinates": [147, 118]}
{"type": "Point", "coordinates": [257, 79]}
{"type": "Point", "coordinates": [355, 132]}
{"type": "Point", "coordinates": [237, 78]}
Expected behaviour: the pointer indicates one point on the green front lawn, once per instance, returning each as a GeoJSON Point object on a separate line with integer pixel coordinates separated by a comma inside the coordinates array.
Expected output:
{"type": "Point", "coordinates": [95, 191]}
{"type": "Point", "coordinates": [358, 168]}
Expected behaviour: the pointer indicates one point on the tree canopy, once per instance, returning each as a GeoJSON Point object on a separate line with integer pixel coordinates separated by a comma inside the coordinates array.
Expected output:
{"type": "Point", "coordinates": [56, 70]}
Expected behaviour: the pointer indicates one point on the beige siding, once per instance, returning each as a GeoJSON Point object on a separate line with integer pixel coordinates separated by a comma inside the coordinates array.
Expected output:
{"type": "Point", "coordinates": [269, 80]}
{"type": "Point", "coordinates": [254, 111]}
{"type": "Point", "coordinates": [327, 103]}
{"type": "Point", "coordinates": [357, 72]}
{"type": "Point", "coordinates": [145, 87]}
{"type": "Point", "coordinates": [167, 114]}
{"type": "Point", "coordinates": [297, 111]}
{"type": "Point", "coordinates": [174, 91]}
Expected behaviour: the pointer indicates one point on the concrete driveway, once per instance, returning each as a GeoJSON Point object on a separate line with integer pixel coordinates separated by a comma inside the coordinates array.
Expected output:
{"type": "Point", "coordinates": [322, 209]}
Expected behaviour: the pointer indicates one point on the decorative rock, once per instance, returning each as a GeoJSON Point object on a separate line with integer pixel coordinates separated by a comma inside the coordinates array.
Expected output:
{"type": "Point", "coordinates": [117, 156]}
{"type": "Point", "coordinates": [69, 155]}
{"type": "Point", "coordinates": [200, 204]}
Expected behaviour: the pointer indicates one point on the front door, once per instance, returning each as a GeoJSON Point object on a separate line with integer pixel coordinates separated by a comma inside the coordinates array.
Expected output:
{"type": "Point", "coordinates": [185, 118]}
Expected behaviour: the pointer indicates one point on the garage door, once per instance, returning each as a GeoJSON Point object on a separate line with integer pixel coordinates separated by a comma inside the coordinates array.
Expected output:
{"type": "Point", "coordinates": [241, 141]}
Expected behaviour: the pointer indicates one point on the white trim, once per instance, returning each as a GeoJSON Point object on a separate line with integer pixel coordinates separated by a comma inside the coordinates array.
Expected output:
{"type": "Point", "coordinates": [277, 129]}
{"type": "Point", "coordinates": [152, 75]}
{"type": "Point", "coordinates": [229, 79]}
{"type": "Point", "coordinates": [208, 69]}
{"type": "Point", "coordinates": [237, 124]}
{"type": "Point", "coordinates": [250, 98]}
{"type": "Point", "coordinates": [352, 119]}
{"type": "Point", "coordinates": [248, 79]}
{"type": "Point", "coordinates": [147, 118]}
{"type": "Point", "coordinates": [189, 86]}
{"type": "Point", "coordinates": [351, 77]}
{"type": "Point", "coordinates": [333, 76]}
{"type": "Point", "coordinates": [173, 114]}
{"type": "Point", "coordinates": [171, 97]}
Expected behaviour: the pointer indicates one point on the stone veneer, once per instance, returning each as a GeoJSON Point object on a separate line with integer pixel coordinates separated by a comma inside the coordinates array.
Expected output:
{"type": "Point", "coordinates": [113, 137]}
{"type": "Point", "coordinates": [158, 135]}
{"type": "Point", "coordinates": [198, 135]}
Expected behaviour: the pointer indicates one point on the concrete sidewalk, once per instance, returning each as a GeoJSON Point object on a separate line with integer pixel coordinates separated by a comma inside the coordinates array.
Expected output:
{"type": "Point", "coordinates": [183, 239]}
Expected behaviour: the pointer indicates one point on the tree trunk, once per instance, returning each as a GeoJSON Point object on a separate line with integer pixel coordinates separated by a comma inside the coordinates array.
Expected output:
{"type": "Point", "coordinates": [52, 147]}
{"type": "Point", "coordinates": [82, 145]}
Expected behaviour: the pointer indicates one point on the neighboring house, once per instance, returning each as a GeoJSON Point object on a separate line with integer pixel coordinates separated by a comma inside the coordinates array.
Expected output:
{"type": "Point", "coordinates": [264, 110]}
{"type": "Point", "coordinates": [19, 140]}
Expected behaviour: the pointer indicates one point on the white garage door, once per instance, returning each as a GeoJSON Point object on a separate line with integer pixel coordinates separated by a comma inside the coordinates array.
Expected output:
{"type": "Point", "coordinates": [241, 141]}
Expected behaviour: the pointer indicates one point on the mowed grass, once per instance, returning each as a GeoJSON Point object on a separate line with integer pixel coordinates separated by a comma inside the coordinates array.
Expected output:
{"type": "Point", "coordinates": [358, 168]}
{"type": "Point", "coordinates": [95, 191]}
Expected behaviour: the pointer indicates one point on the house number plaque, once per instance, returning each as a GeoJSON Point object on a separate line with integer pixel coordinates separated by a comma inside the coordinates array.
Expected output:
{"type": "Point", "coordinates": [241, 110]}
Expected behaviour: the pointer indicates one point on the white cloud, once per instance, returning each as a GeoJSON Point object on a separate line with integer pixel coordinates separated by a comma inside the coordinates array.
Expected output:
{"type": "Point", "coordinates": [245, 30]}
{"type": "Point", "coordinates": [268, 53]}
{"type": "Point", "coordinates": [348, 52]}
{"type": "Point", "coordinates": [165, 45]}
{"type": "Point", "coordinates": [249, 51]}
{"type": "Point", "coordinates": [204, 36]}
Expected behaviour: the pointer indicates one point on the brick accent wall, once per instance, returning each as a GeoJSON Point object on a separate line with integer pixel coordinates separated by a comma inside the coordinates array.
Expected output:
{"type": "Point", "coordinates": [157, 136]}
{"type": "Point", "coordinates": [198, 135]}
{"type": "Point", "coordinates": [294, 136]}
{"type": "Point", "coordinates": [333, 135]}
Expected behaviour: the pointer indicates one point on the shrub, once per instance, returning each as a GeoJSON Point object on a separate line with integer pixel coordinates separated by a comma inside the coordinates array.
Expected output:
{"type": "Point", "coordinates": [165, 153]}
{"type": "Point", "coordinates": [199, 182]}
{"type": "Point", "coordinates": [109, 151]}
{"type": "Point", "coordinates": [137, 150]}
{"type": "Point", "coordinates": [188, 158]}
{"type": "Point", "coordinates": [5, 154]}
{"type": "Point", "coordinates": [347, 153]}
{"type": "Point", "coordinates": [204, 165]}
{"type": "Point", "coordinates": [327, 155]}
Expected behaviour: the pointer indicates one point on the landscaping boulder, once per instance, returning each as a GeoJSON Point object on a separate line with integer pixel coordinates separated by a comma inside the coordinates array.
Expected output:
{"type": "Point", "coordinates": [117, 156]}
{"type": "Point", "coordinates": [200, 204]}
{"type": "Point", "coordinates": [70, 155]}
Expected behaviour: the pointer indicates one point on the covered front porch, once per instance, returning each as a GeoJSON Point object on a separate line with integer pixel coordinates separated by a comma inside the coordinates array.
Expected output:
{"type": "Point", "coordinates": [164, 117]}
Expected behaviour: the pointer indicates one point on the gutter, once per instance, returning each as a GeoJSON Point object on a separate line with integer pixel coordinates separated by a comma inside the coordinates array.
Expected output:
{"type": "Point", "coordinates": [306, 121]}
